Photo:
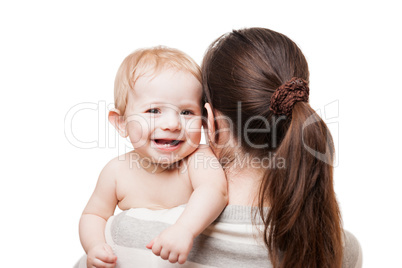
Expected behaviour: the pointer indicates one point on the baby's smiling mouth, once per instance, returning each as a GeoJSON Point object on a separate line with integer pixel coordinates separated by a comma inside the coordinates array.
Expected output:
{"type": "Point", "coordinates": [167, 143]}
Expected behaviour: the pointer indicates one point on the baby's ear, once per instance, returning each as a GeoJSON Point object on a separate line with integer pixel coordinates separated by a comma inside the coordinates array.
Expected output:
{"type": "Point", "coordinates": [117, 120]}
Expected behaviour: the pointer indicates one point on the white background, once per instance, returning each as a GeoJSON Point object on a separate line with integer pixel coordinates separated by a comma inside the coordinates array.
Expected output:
{"type": "Point", "coordinates": [55, 55]}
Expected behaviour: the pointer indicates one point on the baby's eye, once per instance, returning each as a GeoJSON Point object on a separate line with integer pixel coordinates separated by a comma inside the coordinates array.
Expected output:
{"type": "Point", "coordinates": [153, 111]}
{"type": "Point", "coordinates": [186, 112]}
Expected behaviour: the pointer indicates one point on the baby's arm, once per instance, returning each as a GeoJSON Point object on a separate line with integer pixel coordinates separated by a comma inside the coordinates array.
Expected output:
{"type": "Point", "coordinates": [204, 206]}
{"type": "Point", "coordinates": [100, 207]}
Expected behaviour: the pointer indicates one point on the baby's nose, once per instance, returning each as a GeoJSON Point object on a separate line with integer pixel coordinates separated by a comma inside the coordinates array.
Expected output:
{"type": "Point", "coordinates": [171, 121]}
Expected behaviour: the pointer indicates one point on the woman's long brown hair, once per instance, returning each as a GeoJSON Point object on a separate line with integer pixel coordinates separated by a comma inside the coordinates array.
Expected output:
{"type": "Point", "coordinates": [303, 222]}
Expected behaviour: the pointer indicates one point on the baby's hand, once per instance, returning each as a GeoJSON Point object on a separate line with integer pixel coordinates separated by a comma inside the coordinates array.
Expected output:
{"type": "Point", "coordinates": [173, 244]}
{"type": "Point", "coordinates": [101, 256]}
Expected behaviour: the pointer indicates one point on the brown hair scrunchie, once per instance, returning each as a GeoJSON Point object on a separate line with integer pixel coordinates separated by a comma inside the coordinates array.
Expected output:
{"type": "Point", "coordinates": [284, 98]}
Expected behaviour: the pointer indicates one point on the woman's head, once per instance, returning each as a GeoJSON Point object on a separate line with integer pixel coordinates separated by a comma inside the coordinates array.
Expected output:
{"type": "Point", "coordinates": [241, 70]}
{"type": "Point", "coordinates": [256, 85]}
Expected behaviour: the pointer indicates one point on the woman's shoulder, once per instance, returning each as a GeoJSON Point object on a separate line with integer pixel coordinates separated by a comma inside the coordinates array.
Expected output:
{"type": "Point", "coordinates": [352, 251]}
{"type": "Point", "coordinates": [242, 216]}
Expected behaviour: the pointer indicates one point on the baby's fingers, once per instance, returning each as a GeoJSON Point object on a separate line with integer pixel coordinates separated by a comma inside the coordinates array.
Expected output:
{"type": "Point", "coordinates": [165, 253]}
{"type": "Point", "coordinates": [150, 244]}
{"type": "Point", "coordinates": [182, 258]}
{"type": "Point", "coordinates": [108, 249]}
{"type": "Point", "coordinates": [173, 257]}
{"type": "Point", "coordinates": [106, 257]}
{"type": "Point", "coordinates": [100, 264]}
{"type": "Point", "coordinates": [156, 248]}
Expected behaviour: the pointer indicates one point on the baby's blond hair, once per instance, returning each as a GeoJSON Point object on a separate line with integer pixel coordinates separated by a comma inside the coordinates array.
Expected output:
{"type": "Point", "coordinates": [150, 61]}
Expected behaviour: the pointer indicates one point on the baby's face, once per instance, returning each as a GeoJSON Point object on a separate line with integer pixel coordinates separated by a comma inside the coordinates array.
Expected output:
{"type": "Point", "coordinates": [163, 116]}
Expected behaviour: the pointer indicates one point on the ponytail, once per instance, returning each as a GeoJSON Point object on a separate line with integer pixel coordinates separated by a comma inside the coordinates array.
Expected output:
{"type": "Point", "coordinates": [303, 224]}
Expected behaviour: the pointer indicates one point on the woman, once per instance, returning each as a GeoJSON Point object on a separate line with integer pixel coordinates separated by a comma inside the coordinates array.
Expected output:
{"type": "Point", "coordinates": [256, 86]}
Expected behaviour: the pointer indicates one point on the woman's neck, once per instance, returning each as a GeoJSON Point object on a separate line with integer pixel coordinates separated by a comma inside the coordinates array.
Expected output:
{"type": "Point", "coordinates": [243, 185]}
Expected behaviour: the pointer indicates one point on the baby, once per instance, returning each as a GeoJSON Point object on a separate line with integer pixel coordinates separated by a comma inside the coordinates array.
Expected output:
{"type": "Point", "coordinates": [158, 100]}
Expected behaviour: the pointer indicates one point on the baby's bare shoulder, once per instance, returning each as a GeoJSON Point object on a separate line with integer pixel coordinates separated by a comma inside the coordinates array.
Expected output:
{"type": "Point", "coordinates": [203, 150]}
{"type": "Point", "coordinates": [119, 164]}
{"type": "Point", "coordinates": [203, 157]}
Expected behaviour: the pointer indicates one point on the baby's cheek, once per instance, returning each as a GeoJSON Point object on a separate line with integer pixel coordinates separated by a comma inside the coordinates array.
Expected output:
{"type": "Point", "coordinates": [194, 125]}
{"type": "Point", "coordinates": [138, 133]}
{"type": "Point", "coordinates": [193, 131]}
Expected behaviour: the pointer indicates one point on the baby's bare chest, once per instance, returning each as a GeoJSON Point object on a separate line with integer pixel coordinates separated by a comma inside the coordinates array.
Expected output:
{"type": "Point", "coordinates": [154, 191]}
